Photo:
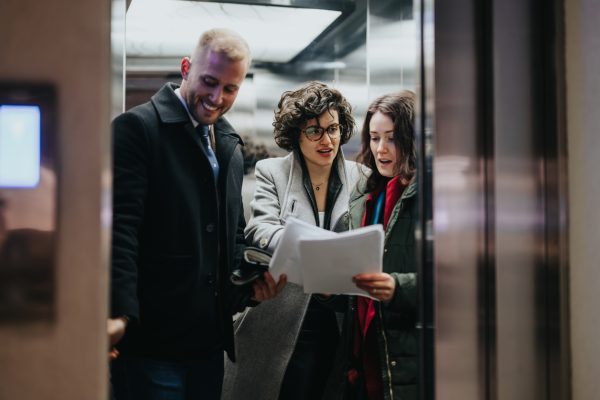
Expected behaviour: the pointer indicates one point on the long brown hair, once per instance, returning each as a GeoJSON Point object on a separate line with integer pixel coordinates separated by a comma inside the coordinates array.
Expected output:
{"type": "Point", "coordinates": [400, 107]}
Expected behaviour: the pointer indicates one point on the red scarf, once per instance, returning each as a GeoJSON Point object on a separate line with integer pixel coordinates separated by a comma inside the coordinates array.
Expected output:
{"type": "Point", "coordinates": [365, 348]}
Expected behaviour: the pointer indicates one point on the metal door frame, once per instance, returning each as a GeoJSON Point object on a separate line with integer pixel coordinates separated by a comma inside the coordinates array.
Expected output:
{"type": "Point", "coordinates": [465, 286]}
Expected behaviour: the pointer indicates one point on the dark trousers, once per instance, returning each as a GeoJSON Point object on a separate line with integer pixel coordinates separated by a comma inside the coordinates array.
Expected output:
{"type": "Point", "coordinates": [312, 360]}
{"type": "Point", "coordinates": [135, 378]}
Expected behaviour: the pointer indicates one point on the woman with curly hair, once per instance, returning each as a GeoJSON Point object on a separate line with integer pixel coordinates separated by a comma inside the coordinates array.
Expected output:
{"type": "Point", "coordinates": [285, 347]}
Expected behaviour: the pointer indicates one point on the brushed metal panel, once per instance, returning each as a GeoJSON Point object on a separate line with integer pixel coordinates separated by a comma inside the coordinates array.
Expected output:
{"type": "Point", "coordinates": [520, 219]}
{"type": "Point", "coordinates": [499, 205]}
{"type": "Point", "coordinates": [459, 205]}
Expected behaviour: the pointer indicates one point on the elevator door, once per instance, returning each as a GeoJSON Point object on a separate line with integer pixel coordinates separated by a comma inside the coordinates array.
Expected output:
{"type": "Point", "coordinates": [492, 85]}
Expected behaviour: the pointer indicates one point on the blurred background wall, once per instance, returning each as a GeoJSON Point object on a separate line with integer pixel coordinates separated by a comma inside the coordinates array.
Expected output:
{"type": "Point", "coordinates": [66, 44]}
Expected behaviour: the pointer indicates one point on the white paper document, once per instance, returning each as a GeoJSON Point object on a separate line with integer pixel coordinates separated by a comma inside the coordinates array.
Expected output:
{"type": "Point", "coordinates": [325, 262]}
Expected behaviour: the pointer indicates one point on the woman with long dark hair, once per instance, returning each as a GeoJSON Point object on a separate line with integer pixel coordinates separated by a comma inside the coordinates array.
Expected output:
{"type": "Point", "coordinates": [380, 357]}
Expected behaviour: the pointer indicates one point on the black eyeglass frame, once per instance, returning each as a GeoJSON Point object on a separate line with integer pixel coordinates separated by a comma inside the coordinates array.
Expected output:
{"type": "Point", "coordinates": [332, 136]}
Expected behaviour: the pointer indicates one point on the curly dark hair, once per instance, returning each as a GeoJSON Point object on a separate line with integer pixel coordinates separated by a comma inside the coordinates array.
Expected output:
{"type": "Point", "coordinates": [400, 107]}
{"type": "Point", "coordinates": [310, 101]}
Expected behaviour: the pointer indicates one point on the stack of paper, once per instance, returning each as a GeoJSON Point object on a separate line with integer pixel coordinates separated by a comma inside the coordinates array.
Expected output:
{"type": "Point", "coordinates": [325, 262]}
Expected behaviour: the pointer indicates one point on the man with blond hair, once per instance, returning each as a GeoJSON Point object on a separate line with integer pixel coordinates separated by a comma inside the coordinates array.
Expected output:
{"type": "Point", "coordinates": [178, 231]}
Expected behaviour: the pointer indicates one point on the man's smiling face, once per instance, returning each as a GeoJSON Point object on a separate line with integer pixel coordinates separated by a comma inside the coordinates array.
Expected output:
{"type": "Point", "coordinates": [211, 82]}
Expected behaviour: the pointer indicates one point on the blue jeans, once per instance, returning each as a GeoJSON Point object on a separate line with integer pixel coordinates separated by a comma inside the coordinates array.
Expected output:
{"type": "Point", "coordinates": [135, 378]}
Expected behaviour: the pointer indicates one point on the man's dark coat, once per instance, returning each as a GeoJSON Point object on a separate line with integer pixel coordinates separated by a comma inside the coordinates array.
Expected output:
{"type": "Point", "coordinates": [176, 235]}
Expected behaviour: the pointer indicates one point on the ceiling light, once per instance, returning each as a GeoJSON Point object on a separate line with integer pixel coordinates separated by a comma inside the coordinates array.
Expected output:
{"type": "Point", "coordinates": [171, 28]}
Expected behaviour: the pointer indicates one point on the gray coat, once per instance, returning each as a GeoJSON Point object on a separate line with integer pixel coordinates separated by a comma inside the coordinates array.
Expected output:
{"type": "Point", "coordinates": [266, 335]}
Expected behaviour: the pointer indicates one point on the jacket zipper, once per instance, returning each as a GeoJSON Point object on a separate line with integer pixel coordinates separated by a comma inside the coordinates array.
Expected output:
{"type": "Point", "coordinates": [381, 327]}
{"type": "Point", "coordinates": [387, 355]}
{"type": "Point", "coordinates": [391, 223]}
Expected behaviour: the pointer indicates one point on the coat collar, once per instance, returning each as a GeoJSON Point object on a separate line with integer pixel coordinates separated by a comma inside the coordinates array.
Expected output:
{"type": "Point", "coordinates": [358, 191]}
{"type": "Point", "coordinates": [226, 141]}
{"type": "Point", "coordinates": [168, 106]}
{"type": "Point", "coordinates": [171, 111]}
{"type": "Point", "coordinates": [337, 191]}
{"type": "Point", "coordinates": [358, 200]}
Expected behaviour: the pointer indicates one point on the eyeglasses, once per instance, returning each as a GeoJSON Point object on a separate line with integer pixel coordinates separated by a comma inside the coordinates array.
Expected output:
{"type": "Point", "coordinates": [315, 133]}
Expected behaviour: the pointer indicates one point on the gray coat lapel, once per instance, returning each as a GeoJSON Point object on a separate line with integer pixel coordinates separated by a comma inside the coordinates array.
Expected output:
{"type": "Point", "coordinates": [295, 202]}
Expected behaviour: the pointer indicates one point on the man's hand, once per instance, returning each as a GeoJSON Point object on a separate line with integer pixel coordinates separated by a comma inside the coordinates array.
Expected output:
{"type": "Point", "coordinates": [265, 289]}
{"type": "Point", "coordinates": [379, 285]}
{"type": "Point", "coordinates": [116, 329]}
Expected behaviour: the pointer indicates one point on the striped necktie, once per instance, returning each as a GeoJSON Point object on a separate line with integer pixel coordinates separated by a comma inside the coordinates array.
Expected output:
{"type": "Point", "coordinates": [203, 130]}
